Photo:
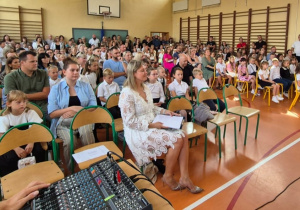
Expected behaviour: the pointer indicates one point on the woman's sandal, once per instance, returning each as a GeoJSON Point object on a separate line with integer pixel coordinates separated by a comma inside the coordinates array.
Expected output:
{"type": "Point", "coordinates": [195, 190]}
{"type": "Point", "coordinates": [177, 188]}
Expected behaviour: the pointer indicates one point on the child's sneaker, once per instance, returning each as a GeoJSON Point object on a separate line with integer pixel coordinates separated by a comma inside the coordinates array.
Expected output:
{"type": "Point", "coordinates": [239, 88]}
{"type": "Point", "coordinates": [279, 98]}
{"type": "Point", "coordinates": [274, 99]}
{"type": "Point", "coordinates": [252, 91]}
{"type": "Point", "coordinates": [286, 94]}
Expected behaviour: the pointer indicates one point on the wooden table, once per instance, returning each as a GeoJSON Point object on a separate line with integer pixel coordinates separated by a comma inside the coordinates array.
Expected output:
{"type": "Point", "coordinates": [156, 201]}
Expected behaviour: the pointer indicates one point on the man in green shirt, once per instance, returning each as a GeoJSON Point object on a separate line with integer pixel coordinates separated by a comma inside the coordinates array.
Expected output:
{"type": "Point", "coordinates": [31, 80]}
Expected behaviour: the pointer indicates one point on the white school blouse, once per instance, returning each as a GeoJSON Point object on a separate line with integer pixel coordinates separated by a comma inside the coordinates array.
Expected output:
{"type": "Point", "coordinates": [180, 89]}
{"type": "Point", "coordinates": [156, 90]}
{"type": "Point", "coordinates": [12, 120]}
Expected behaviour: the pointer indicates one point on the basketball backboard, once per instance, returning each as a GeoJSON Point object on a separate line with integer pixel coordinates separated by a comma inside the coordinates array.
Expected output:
{"type": "Point", "coordinates": [99, 7]}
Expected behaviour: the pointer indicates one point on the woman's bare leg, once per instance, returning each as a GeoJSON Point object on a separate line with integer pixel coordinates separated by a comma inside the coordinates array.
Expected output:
{"type": "Point", "coordinates": [171, 161]}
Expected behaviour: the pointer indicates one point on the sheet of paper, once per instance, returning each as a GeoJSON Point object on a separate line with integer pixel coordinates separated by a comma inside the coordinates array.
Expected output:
{"type": "Point", "coordinates": [169, 121]}
{"type": "Point", "coordinates": [90, 154]}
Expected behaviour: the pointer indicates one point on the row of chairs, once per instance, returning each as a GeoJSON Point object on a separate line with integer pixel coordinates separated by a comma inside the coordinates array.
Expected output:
{"type": "Point", "coordinates": [267, 89]}
{"type": "Point", "coordinates": [96, 114]}
{"type": "Point", "coordinates": [194, 130]}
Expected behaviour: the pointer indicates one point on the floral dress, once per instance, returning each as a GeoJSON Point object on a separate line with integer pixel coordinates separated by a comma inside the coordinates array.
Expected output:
{"type": "Point", "coordinates": [242, 72]}
{"type": "Point", "coordinates": [145, 143]}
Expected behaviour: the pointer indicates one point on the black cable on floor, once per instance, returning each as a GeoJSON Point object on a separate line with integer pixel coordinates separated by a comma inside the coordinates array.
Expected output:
{"type": "Point", "coordinates": [146, 189]}
{"type": "Point", "coordinates": [278, 194]}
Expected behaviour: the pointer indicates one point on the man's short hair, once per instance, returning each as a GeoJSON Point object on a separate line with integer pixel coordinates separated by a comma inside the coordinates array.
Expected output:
{"type": "Point", "coordinates": [114, 48]}
{"type": "Point", "coordinates": [23, 55]}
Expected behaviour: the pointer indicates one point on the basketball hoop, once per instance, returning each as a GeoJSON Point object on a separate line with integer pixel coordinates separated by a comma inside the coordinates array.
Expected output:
{"type": "Point", "coordinates": [106, 14]}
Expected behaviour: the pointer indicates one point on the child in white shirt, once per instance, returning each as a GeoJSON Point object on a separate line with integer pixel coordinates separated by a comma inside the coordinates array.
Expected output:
{"type": "Point", "coordinates": [275, 76]}
{"type": "Point", "coordinates": [264, 80]}
{"type": "Point", "coordinates": [220, 71]}
{"type": "Point", "coordinates": [18, 113]}
{"type": "Point", "coordinates": [293, 65]}
{"type": "Point", "coordinates": [179, 88]}
{"type": "Point", "coordinates": [162, 77]}
{"type": "Point", "coordinates": [198, 83]}
{"type": "Point", "coordinates": [53, 76]}
{"type": "Point", "coordinates": [251, 67]}
{"type": "Point", "coordinates": [91, 71]}
{"type": "Point", "coordinates": [106, 88]}
{"type": "Point", "coordinates": [155, 87]}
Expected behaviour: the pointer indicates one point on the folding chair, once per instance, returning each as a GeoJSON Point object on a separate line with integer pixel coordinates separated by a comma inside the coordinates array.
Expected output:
{"type": "Point", "coordinates": [91, 115]}
{"type": "Point", "coordinates": [190, 128]}
{"type": "Point", "coordinates": [112, 101]}
{"type": "Point", "coordinates": [46, 171]}
{"type": "Point", "coordinates": [229, 90]}
{"type": "Point", "coordinates": [220, 118]}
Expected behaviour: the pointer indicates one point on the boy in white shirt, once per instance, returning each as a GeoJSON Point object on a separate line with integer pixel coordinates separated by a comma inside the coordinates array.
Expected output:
{"type": "Point", "coordinates": [220, 71]}
{"type": "Point", "coordinates": [162, 77]}
{"type": "Point", "coordinates": [251, 67]}
{"type": "Point", "coordinates": [106, 88]}
{"type": "Point", "coordinates": [198, 83]}
{"type": "Point", "coordinates": [53, 76]}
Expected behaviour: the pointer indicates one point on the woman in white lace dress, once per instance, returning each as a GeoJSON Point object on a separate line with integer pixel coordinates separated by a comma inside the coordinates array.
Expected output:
{"type": "Point", "coordinates": [148, 140]}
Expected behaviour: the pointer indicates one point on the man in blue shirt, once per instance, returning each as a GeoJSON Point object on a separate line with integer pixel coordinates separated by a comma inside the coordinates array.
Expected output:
{"type": "Point", "coordinates": [116, 66]}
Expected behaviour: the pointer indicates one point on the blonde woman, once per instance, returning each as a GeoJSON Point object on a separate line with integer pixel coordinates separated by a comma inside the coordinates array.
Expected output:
{"type": "Point", "coordinates": [148, 140]}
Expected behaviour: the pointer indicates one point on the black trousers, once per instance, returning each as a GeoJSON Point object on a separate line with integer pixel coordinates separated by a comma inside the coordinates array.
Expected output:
{"type": "Point", "coordinates": [9, 160]}
{"type": "Point", "coordinates": [212, 104]}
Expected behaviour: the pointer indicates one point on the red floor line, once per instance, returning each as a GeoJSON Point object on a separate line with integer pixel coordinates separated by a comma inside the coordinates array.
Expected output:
{"type": "Point", "coordinates": [245, 181]}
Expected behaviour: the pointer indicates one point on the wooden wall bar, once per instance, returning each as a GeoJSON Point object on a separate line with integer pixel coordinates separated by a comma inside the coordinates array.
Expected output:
{"type": "Point", "coordinates": [247, 24]}
{"type": "Point", "coordinates": [25, 22]}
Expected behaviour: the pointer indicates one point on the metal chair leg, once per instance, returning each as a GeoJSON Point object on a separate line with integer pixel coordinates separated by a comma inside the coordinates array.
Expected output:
{"type": "Point", "coordinates": [258, 116]}
{"type": "Point", "coordinates": [235, 142]}
{"type": "Point", "coordinates": [246, 131]}
{"type": "Point", "coordinates": [205, 147]}
{"type": "Point", "coordinates": [240, 123]}
{"type": "Point", "coordinates": [220, 145]}
{"type": "Point", "coordinates": [224, 131]}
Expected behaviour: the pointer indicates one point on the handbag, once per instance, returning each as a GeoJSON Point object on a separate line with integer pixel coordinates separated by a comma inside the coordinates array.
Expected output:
{"type": "Point", "coordinates": [150, 170]}
{"type": "Point", "coordinates": [22, 163]}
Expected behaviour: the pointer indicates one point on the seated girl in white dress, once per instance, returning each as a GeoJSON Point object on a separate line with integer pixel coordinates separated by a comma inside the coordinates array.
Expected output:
{"type": "Point", "coordinates": [148, 140]}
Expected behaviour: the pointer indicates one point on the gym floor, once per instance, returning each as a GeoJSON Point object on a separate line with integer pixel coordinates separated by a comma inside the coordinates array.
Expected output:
{"type": "Point", "coordinates": [252, 175]}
